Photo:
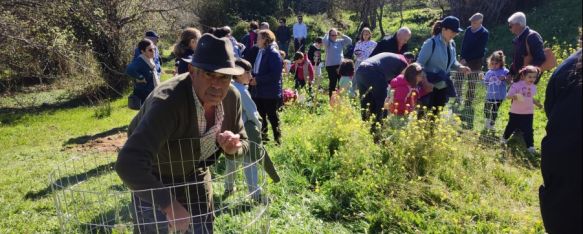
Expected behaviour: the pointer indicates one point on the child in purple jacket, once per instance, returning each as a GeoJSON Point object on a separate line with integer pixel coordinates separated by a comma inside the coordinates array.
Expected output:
{"type": "Point", "coordinates": [495, 81]}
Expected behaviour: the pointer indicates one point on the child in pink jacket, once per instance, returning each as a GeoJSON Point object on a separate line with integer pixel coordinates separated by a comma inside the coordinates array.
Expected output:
{"type": "Point", "coordinates": [407, 88]}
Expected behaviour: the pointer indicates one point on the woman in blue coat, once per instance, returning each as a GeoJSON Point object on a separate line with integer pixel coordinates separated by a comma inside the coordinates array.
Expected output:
{"type": "Point", "coordinates": [438, 57]}
{"type": "Point", "coordinates": [143, 70]}
{"type": "Point", "coordinates": [266, 85]}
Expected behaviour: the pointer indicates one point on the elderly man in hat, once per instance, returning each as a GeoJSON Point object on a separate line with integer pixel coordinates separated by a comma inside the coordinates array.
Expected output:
{"type": "Point", "coordinates": [472, 55]}
{"type": "Point", "coordinates": [152, 36]}
{"type": "Point", "coordinates": [181, 129]}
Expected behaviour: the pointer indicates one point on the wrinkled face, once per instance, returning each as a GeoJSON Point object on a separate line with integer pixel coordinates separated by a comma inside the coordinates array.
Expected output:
{"type": "Point", "coordinates": [476, 23]}
{"type": "Point", "coordinates": [210, 87]}
{"type": "Point", "coordinates": [529, 78]}
{"type": "Point", "coordinates": [149, 51]}
{"type": "Point", "coordinates": [516, 29]}
{"type": "Point", "coordinates": [403, 38]}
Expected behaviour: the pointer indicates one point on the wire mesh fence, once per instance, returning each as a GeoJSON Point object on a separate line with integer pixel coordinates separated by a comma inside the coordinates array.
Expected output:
{"type": "Point", "coordinates": [477, 103]}
{"type": "Point", "coordinates": [226, 197]}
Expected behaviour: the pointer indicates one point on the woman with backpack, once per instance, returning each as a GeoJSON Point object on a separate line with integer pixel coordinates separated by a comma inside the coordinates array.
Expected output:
{"type": "Point", "coordinates": [438, 57]}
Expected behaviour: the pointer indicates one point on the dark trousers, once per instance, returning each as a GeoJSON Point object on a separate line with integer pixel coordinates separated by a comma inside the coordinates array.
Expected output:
{"type": "Point", "coordinates": [372, 87]}
{"type": "Point", "coordinates": [522, 123]}
{"type": "Point", "coordinates": [491, 109]}
{"type": "Point", "coordinates": [142, 94]}
{"type": "Point", "coordinates": [435, 100]}
{"type": "Point", "coordinates": [299, 84]}
{"type": "Point", "coordinates": [267, 108]}
{"type": "Point", "coordinates": [196, 197]}
{"type": "Point", "coordinates": [300, 44]}
{"type": "Point", "coordinates": [333, 77]}
{"type": "Point", "coordinates": [283, 46]}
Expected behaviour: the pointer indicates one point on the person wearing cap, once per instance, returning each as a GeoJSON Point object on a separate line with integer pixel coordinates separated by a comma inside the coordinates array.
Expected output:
{"type": "Point", "coordinates": [152, 36]}
{"type": "Point", "coordinates": [524, 36]}
{"type": "Point", "coordinates": [396, 44]}
{"type": "Point", "coordinates": [472, 54]}
{"type": "Point", "coordinates": [438, 57]}
{"type": "Point", "coordinates": [185, 124]}
{"type": "Point", "coordinates": [266, 85]}
{"type": "Point", "coordinates": [372, 78]}
{"type": "Point", "coordinates": [300, 33]}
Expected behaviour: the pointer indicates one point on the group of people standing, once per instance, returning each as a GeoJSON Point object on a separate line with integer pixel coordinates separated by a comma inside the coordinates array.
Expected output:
{"type": "Point", "coordinates": [226, 92]}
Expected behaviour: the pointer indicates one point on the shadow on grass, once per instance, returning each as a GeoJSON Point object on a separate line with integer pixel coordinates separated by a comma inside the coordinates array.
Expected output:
{"type": "Point", "coordinates": [112, 221]}
{"type": "Point", "coordinates": [11, 115]}
{"type": "Point", "coordinates": [87, 138]}
{"type": "Point", "coordinates": [515, 149]}
{"type": "Point", "coordinates": [67, 181]}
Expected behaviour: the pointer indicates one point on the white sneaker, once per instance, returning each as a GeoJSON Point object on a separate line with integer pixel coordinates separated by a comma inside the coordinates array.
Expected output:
{"type": "Point", "coordinates": [531, 150]}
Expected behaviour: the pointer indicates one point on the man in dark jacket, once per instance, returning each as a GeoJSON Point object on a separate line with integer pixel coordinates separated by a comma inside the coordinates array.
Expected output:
{"type": "Point", "coordinates": [560, 195]}
{"type": "Point", "coordinates": [372, 79]}
{"type": "Point", "coordinates": [472, 55]}
{"type": "Point", "coordinates": [396, 44]}
{"type": "Point", "coordinates": [283, 35]}
{"type": "Point", "coordinates": [183, 126]}
{"type": "Point", "coordinates": [524, 36]}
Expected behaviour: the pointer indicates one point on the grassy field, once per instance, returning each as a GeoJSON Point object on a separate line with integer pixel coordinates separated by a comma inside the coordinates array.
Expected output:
{"type": "Point", "coordinates": [334, 178]}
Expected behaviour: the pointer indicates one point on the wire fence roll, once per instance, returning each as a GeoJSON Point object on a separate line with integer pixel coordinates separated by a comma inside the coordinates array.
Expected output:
{"type": "Point", "coordinates": [476, 103]}
{"type": "Point", "coordinates": [220, 195]}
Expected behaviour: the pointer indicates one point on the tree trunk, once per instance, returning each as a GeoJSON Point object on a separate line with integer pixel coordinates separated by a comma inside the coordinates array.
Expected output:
{"type": "Point", "coordinates": [380, 18]}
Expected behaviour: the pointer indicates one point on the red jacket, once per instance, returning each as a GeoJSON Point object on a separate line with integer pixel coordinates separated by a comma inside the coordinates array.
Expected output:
{"type": "Point", "coordinates": [404, 97]}
{"type": "Point", "coordinates": [305, 68]}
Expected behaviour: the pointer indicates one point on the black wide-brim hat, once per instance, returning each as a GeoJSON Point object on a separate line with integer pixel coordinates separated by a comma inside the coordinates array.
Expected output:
{"type": "Point", "coordinates": [215, 55]}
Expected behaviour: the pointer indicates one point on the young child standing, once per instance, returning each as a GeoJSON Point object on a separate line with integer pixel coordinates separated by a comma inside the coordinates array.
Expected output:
{"type": "Point", "coordinates": [495, 81]}
{"type": "Point", "coordinates": [314, 55]}
{"type": "Point", "coordinates": [302, 70]}
{"type": "Point", "coordinates": [522, 109]}
{"type": "Point", "coordinates": [250, 117]}
{"type": "Point", "coordinates": [407, 88]}
{"type": "Point", "coordinates": [346, 71]}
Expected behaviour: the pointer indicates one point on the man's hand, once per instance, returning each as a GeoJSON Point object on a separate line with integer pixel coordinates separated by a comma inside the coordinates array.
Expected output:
{"type": "Point", "coordinates": [177, 216]}
{"type": "Point", "coordinates": [229, 142]}
{"type": "Point", "coordinates": [465, 70]}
